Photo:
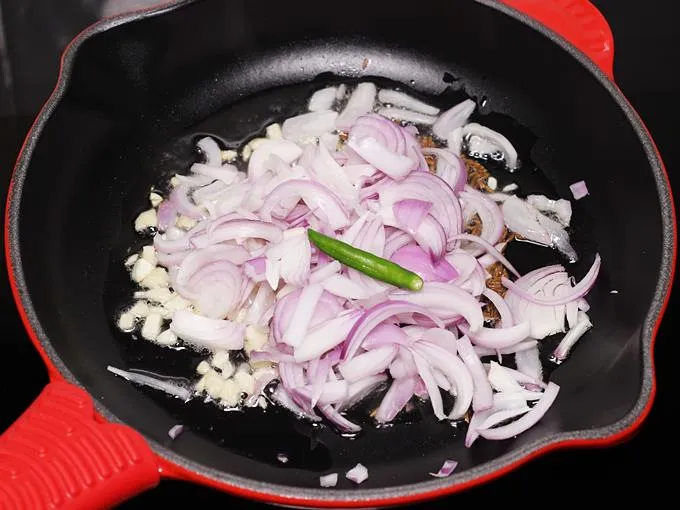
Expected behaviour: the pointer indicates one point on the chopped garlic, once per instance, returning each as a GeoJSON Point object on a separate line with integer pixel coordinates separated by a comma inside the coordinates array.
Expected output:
{"type": "Point", "coordinates": [200, 385]}
{"type": "Point", "coordinates": [492, 183]}
{"type": "Point", "coordinates": [245, 153]}
{"type": "Point", "coordinates": [510, 187]}
{"type": "Point", "coordinates": [130, 261]}
{"type": "Point", "coordinates": [167, 337]}
{"type": "Point", "coordinates": [152, 326]}
{"type": "Point", "coordinates": [149, 254]}
{"type": "Point", "coordinates": [158, 295]}
{"type": "Point", "coordinates": [262, 402]}
{"type": "Point", "coordinates": [219, 358]}
{"type": "Point", "coordinates": [177, 303]}
{"type": "Point", "coordinates": [139, 309]}
{"type": "Point", "coordinates": [230, 393]}
{"type": "Point", "coordinates": [155, 199]}
{"type": "Point", "coordinates": [141, 270]}
{"type": "Point", "coordinates": [259, 365]}
{"type": "Point", "coordinates": [245, 381]}
{"type": "Point", "coordinates": [255, 143]}
{"type": "Point", "coordinates": [157, 277]}
{"type": "Point", "coordinates": [163, 312]}
{"type": "Point", "coordinates": [175, 181]}
{"type": "Point", "coordinates": [185, 223]}
{"type": "Point", "coordinates": [146, 220]}
{"type": "Point", "coordinates": [228, 369]}
{"type": "Point", "coordinates": [213, 384]}
{"type": "Point", "coordinates": [126, 322]}
{"type": "Point", "coordinates": [256, 338]}
{"type": "Point", "coordinates": [273, 132]}
{"type": "Point", "coordinates": [203, 368]}
{"type": "Point", "coordinates": [228, 156]}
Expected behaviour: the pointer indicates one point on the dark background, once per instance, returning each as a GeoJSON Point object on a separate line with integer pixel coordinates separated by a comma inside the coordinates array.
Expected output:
{"type": "Point", "coordinates": [647, 47]}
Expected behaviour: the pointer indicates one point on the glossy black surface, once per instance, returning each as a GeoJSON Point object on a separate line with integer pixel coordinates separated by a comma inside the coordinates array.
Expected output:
{"type": "Point", "coordinates": [78, 185]}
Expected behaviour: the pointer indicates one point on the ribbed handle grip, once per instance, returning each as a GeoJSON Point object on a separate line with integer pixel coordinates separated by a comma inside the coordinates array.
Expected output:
{"type": "Point", "coordinates": [57, 456]}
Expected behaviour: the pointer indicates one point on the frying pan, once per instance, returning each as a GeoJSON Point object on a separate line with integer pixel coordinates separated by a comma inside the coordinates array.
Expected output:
{"type": "Point", "coordinates": [134, 93]}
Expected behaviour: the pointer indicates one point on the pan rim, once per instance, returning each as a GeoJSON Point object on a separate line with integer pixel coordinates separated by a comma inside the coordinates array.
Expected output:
{"type": "Point", "coordinates": [174, 465]}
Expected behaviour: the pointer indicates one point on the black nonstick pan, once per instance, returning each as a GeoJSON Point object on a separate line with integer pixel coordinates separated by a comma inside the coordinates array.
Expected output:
{"type": "Point", "coordinates": [136, 91]}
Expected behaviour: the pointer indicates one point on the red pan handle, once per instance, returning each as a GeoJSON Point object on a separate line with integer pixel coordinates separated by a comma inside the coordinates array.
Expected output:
{"type": "Point", "coordinates": [579, 22]}
{"type": "Point", "coordinates": [56, 455]}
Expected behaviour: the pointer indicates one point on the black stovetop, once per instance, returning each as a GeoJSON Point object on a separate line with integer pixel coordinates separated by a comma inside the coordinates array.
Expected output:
{"type": "Point", "coordinates": [647, 51]}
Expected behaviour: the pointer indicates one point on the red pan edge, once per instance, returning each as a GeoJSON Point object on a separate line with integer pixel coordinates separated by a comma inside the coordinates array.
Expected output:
{"type": "Point", "coordinates": [583, 26]}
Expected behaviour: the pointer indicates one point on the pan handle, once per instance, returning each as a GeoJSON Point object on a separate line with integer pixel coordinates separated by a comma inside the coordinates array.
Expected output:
{"type": "Point", "coordinates": [56, 455]}
{"type": "Point", "coordinates": [577, 21]}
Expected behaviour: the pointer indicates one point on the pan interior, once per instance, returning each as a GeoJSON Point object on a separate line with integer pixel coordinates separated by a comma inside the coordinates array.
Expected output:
{"type": "Point", "coordinates": [141, 93]}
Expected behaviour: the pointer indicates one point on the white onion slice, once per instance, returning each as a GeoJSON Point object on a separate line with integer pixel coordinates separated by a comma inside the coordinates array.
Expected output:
{"type": "Point", "coordinates": [396, 98]}
{"type": "Point", "coordinates": [357, 474]}
{"type": "Point", "coordinates": [322, 99]}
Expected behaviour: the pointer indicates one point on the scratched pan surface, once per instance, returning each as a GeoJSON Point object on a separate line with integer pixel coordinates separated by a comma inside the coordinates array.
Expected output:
{"type": "Point", "coordinates": [141, 93]}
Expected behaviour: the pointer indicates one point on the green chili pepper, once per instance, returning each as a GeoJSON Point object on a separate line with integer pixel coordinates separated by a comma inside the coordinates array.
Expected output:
{"type": "Point", "coordinates": [365, 262]}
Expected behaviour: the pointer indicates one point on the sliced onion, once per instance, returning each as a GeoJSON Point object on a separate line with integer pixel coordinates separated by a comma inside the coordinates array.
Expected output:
{"type": "Point", "coordinates": [579, 190]}
{"type": "Point", "coordinates": [501, 306]}
{"type": "Point", "coordinates": [453, 118]}
{"type": "Point", "coordinates": [426, 187]}
{"type": "Point", "coordinates": [330, 480]}
{"type": "Point", "coordinates": [359, 390]}
{"type": "Point", "coordinates": [572, 336]}
{"type": "Point", "coordinates": [211, 151]}
{"type": "Point", "coordinates": [560, 208]}
{"type": "Point", "coordinates": [404, 115]}
{"type": "Point", "coordinates": [578, 291]}
{"type": "Point", "coordinates": [446, 470]}
{"type": "Point", "coordinates": [529, 362]}
{"type": "Point", "coordinates": [237, 229]}
{"type": "Point", "coordinates": [326, 335]}
{"type": "Point", "coordinates": [368, 364]}
{"type": "Point", "coordinates": [327, 206]}
{"type": "Point", "coordinates": [357, 474]}
{"type": "Point", "coordinates": [396, 98]}
{"type": "Point", "coordinates": [342, 423]}
{"type": "Point", "coordinates": [483, 393]}
{"type": "Point", "coordinates": [410, 213]}
{"type": "Point", "coordinates": [404, 365]}
{"type": "Point", "coordinates": [322, 99]}
{"type": "Point", "coordinates": [374, 316]}
{"type": "Point", "coordinates": [166, 215]}
{"type": "Point", "coordinates": [493, 224]}
{"type": "Point", "coordinates": [385, 334]}
{"type": "Point", "coordinates": [307, 125]}
{"type": "Point", "coordinates": [414, 258]}
{"type": "Point", "coordinates": [179, 197]}
{"type": "Point", "coordinates": [528, 420]}
{"type": "Point", "coordinates": [455, 371]}
{"type": "Point", "coordinates": [394, 165]}
{"type": "Point", "coordinates": [203, 332]}
{"type": "Point", "coordinates": [491, 250]}
{"type": "Point", "coordinates": [395, 399]}
{"type": "Point", "coordinates": [492, 139]}
{"type": "Point", "coordinates": [299, 323]}
{"type": "Point", "coordinates": [450, 168]}
{"type": "Point", "coordinates": [360, 103]}
{"type": "Point", "coordinates": [447, 302]}
{"type": "Point", "coordinates": [286, 150]}
{"type": "Point", "coordinates": [527, 221]}
{"type": "Point", "coordinates": [485, 351]}
{"type": "Point", "coordinates": [431, 385]}
{"type": "Point", "coordinates": [499, 338]}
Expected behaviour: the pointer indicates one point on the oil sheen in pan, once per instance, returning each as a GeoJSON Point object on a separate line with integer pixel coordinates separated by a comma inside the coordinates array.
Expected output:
{"type": "Point", "coordinates": [300, 444]}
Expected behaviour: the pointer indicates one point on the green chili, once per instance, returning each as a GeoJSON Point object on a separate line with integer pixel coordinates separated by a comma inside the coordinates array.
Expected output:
{"type": "Point", "coordinates": [365, 262]}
